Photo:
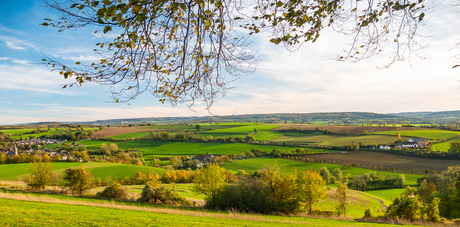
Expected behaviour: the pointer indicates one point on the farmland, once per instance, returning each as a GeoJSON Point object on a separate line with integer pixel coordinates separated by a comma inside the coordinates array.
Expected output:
{"type": "Point", "coordinates": [431, 134]}
{"type": "Point", "coordinates": [340, 140]}
{"type": "Point", "coordinates": [26, 133]}
{"type": "Point", "coordinates": [349, 129]}
{"type": "Point", "coordinates": [187, 148]}
{"type": "Point", "coordinates": [289, 166]}
{"type": "Point", "coordinates": [99, 170]}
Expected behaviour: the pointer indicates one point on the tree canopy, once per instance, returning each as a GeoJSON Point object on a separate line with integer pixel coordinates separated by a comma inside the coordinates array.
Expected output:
{"type": "Point", "coordinates": [183, 51]}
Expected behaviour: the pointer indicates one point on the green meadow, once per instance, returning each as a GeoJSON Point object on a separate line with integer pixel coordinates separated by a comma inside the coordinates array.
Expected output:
{"type": "Point", "coordinates": [99, 170]}
{"type": "Point", "coordinates": [186, 148]}
{"type": "Point", "coordinates": [429, 134]}
{"type": "Point", "coordinates": [29, 213]}
{"type": "Point", "coordinates": [289, 166]}
{"type": "Point", "coordinates": [247, 129]}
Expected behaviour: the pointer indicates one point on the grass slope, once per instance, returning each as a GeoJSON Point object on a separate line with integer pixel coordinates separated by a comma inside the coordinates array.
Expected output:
{"type": "Point", "coordinates": [429, 134]}
{"type": "Point", "coordinates": [186, 148]}
{"type": "Point", "coordinates": [99, 170]}
{"type": "Point", "coordinates": [286, 165]}
{"type": "Point", "coordinates": [57, 213]}
{"type": "Point", "coordinates": [340, 140]}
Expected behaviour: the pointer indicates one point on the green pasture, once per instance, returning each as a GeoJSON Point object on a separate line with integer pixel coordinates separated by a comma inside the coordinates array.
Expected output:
{"type": "Point", "coordinates": [28, 213]}
{"type": "Point", "coordinates": [289, 166]}
{"type": "Point", "coordinates": [429, 134]}
{"type": "Point", "coordinates": [204, 127]}
{"type": "Point", "coordinates": [359, 202]}
{"type": "Point", "coordinates": [340, 140]}
{"type": "Point", "coordinates": [247, 129]}
{"type": "Point", "coordinates": [443, 146]}
{"type": "Point", "coordinates": [185, 148]}
{"type": "Point", "coordinates": [386, 194]}
{"type": "Point", "coordinates": [217, 134]}
{"type": "Point", "coordinates": [99, 170]}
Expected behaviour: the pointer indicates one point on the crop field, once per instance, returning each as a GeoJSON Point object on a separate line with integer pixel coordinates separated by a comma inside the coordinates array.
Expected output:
{"type": "Point", "coordinates": [247, 129]}
{"type": "Point", "coordinates": [372, 160]}
{"type": "Point", "coordinates": [348, 129]}
{"type": "Point", "coordinates": [340, 140]}
{"type": "Point", "coordinates": [443, 146]}
{"type": "Point", "coordinates": [21, 210]}
{"type": "Point", "coordinates": [185, 148]}
{"type": "Point", "coordinates": [15, 133]}
{"type": "Point", "coordinates": [286, 165]}
{"type": "Point", "coordinates": [429, 134]}
{"type": "Point", "coordinates": [99, 170]}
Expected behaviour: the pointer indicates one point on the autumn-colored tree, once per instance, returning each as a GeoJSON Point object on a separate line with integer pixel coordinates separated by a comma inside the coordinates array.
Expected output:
{"type": "Point", "coordinates": [210, 180]}
{"type": "Point", "coordinates": [40, 174]}
{"type": "Point", "coordinates": [311, 188]}
{"type": "Point", "coordinates": [78, 180]}
{"type": "Point", "coordinates": [399, 136]}
{"type": "Point", "coordinates": [181, 50]}
{"type": "Point", "coordinates": [342, 197]}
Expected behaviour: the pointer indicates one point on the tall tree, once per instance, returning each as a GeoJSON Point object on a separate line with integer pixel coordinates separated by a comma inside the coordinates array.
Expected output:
{"type": "Point", "coordinates": [185, 50]}
{"type": "Point", "coordinates": [40, 174]}
{"type": "Point", "coordinates": [78, 180]}
{"type": "Point", "coordinates": [210, 180]}
{"type": "Point", "coordinates": [342, 197]}
{"type": "Point", "coordinates": [311, 188]}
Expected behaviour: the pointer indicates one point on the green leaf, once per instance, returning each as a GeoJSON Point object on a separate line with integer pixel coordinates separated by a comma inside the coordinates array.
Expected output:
{"type": "Point", "coordinates": [183, 6]}
{"type": "Point", "coordinates": [208, 22]}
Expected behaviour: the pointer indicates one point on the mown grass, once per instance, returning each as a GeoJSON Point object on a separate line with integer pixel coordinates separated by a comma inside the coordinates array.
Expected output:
{"type": "Point", "coordinates": [99, 170]}
{"type": "Point", "coordinates": [57, 212]}
{"type": "Point", "coordinates": [387, 194]}
{"type": "Point", "coordinates": [247, 129]}
{"type": "Point", "coordinates": [289, 166]}
{"type": "Point", "coordinates": [185, 148]}
{"type": "Point", "coordinates": [340, 140]}
{"type": "Point", "coordinates": [429, 134]}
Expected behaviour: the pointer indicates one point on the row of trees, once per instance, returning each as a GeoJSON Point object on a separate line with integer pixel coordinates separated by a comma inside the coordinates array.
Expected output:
{"type": "Point", "coordinates": [269, 191]}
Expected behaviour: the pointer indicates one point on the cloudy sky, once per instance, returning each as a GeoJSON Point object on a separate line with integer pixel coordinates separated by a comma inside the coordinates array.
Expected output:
{"type": "Point", "coordinates": [308, 80]}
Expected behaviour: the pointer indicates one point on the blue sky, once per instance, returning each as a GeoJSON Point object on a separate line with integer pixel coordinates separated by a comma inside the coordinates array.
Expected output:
{"type": "Point", "coordinates": [308, 80]}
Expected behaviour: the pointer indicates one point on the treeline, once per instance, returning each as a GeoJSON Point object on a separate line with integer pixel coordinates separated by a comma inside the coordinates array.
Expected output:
{"type": "Point", "coordinates": [370, 180]}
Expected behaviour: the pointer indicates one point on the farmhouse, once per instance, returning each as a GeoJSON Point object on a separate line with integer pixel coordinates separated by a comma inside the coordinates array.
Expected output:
{"type": "Point", "coordinates": [384, 147]}
{"type": "Point", "coordinates": [401, 145]}
{"type": "Point", "coordinates": [204, 159]}
{"type": "Point", "coordinates": [422, 142]}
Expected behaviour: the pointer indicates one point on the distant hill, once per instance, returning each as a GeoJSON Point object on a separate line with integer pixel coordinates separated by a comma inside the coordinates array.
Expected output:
{"type": "Point", "coordinates": [316, 118]}
{"type": "Point", "coordinates": [455, 114]}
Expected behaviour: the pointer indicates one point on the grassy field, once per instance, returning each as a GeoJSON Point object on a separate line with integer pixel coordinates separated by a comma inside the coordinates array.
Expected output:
{"type": "Point", "coordinates": [247, 129]}
{"type": "Point", "coordinates": [99, 170]}
{"type": "Point", "coordinates": [340, 140]}
{"type": "Point", "coordinates": [15, 133]}
{"type": "Point", "coordinates": [429, 134]}
{"type": "Point", "coordinates": [443, 146]}
{"type": "Point", "coordinates": [286, 165]}
{"type": "Point", "coordinates": [387, 194]}
{"type": "Point", "coordinates": [186, 148]}
{"type": "Point", "coordinates": [60, 212]}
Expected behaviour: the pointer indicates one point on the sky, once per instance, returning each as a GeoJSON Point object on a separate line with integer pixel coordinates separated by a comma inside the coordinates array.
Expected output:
{"type": "Point", "coordinates": [305, 81]}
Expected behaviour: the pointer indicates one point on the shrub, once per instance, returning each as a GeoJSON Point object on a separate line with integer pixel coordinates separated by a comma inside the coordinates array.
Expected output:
{"type": "Point", "coordinates": [368, 213]}
{"type": "Point", "coordinates": [324, 172]}
{"type": "Point", "coordinates": [332, 180]}
{"type": "Point", "coordinates": [154, 193]}
{"type": "Point", "coordinates": [114, 191]}
{"type": "Point", "coordinates": [78, 180]}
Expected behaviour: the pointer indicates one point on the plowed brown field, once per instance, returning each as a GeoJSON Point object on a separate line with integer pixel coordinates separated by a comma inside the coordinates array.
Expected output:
{"type": "Point", "coordinates": [113, 131]}
{"type": "Point", "coordinates": [349, 129]}
{"type": "Point", "coordinates": [371, 159]}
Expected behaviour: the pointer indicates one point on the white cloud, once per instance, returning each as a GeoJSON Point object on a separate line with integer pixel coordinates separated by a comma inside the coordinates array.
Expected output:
{"type": "Point", "coordinates": [14, 46]}
{"type": "Point", "coordinates": [31, 78]}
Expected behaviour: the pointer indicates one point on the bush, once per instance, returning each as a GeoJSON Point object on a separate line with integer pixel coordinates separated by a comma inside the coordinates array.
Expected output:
{"type": "Point", "coordinates": [114, 191]}
{"type": "Point", "coordinates": [324, 172]}
{"type": "Point", "coordinates": [368, 213]}
{"type": "Point", "coordinates": [156, 194]}
{"type": "Point", "coordinates": [332, 180]}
